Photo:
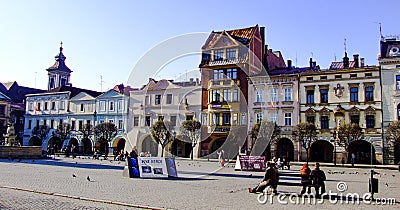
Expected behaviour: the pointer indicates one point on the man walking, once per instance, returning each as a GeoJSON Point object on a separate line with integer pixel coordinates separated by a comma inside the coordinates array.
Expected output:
{"type": "Point", "coordinates": [318, 177]}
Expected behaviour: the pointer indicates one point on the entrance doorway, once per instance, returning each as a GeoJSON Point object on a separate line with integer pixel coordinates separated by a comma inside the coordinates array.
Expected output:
{"type": "Point", "coordinates": [321, 151]}
{"type": "Point", "coordinates": [149, 145]}
{"type": "Point", "coordinates": [362, 151]}
{"type": "Point", "coordinates": [285, 148]}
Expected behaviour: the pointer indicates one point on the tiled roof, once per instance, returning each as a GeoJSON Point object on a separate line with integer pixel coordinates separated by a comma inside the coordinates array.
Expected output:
{"type": "Point", "coordinates": [74, 91]}
{"type": "Point", "coordinates": [17, 93]}
{"type": "Point", "coordinates": [275, 60]}
{"type": "Point", "coordinates": [163, 85]}
{"type": "Point", "coordinates": [243, 35]}
{"type": "Point", "coordinates": [4, 97]}
{"type": "Point", "coordinates": [340, 65]}
{"type": "Point", "coordinates": [287, 71]}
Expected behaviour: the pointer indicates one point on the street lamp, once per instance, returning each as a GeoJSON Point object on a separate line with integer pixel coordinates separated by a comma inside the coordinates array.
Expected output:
{"type": "Point", "coordinates": [94, 128]}
{"type": "Point", "coordinates": [334, 145]}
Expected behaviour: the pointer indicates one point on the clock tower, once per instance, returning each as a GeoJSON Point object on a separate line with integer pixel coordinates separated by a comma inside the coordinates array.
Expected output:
{"type": "Point", "coordinates": [59, 73]}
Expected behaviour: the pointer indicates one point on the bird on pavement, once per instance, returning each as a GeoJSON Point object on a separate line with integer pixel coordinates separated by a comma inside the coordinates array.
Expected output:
{"type": "Point", "coordinates": [76, 162]}
{"type": "Point", "coordinates": [88, 178]}
{"type": "Point", "coordinates": [393, 175]}
{"type": "Point", "coordinates": [387, 185]}
{"type": "Point", "coordinates": [73, 175]}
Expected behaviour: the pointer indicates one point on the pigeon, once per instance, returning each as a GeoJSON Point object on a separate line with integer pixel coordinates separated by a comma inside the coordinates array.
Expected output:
{"type": "Point", "coordinates": [250, 175]}
{"type": "Point", "coordinates": [393, 175]}
{"type": "Point", "coordinates": [387, 185]}
{"type": "Point", "coordinates": [76, 162]}
{"type": "Point", "coordinates": [73, 175]}
{"type": "Point", "coordinates": [88, 178]}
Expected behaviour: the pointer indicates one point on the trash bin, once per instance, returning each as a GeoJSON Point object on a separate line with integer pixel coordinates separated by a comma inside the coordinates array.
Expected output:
{"type": "Point", "coordinates": [374, 187]}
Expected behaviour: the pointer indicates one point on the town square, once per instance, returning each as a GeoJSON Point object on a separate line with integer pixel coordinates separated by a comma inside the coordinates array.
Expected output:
{"type": "Point", "coordinates": [160, 105]}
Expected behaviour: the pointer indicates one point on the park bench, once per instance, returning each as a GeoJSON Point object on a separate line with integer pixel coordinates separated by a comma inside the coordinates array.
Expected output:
{"type": "Point", "coordinates": [293, 182]}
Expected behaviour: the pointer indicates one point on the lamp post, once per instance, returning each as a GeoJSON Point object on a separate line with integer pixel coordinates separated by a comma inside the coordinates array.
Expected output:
{"type": "Point", "coordinates": [334, 146]}
{"type": "Point", "coordinates": [94, 129]}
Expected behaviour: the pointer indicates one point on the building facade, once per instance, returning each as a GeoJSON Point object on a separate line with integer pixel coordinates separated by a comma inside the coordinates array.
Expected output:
{"type": "Point", "coordinates": [389, 61]}
{"type": "Point", "coordinates": [347, 92]}
{"type": "Point", "coordinates": [164, 99]}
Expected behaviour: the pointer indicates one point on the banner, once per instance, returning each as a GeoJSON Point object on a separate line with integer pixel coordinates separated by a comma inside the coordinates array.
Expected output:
{"type": "Point", "coordinates": [252, 163]}
{"type": "Point", "coordinates": [156, 167]}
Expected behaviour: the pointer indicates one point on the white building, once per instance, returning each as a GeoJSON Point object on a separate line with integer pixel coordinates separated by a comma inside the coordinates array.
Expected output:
{"type": "Point", "coordinates": [164, 99]}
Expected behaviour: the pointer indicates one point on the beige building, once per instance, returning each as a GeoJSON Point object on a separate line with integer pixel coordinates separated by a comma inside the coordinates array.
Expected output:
{"type": "Point", "coordinates": [348, 92]}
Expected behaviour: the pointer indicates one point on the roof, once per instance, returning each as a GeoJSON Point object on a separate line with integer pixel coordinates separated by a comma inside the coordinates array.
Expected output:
{"type": "Point", "coordinates": [282, 71]}
{"type": "Point", "coordinates": [4, 97]}
{"type": "Point", "coordinates": [123, 89]}
{"type": "Point", "coordinates": [340, 65]}
{"type": "Point", "coordinates": [275, 60]}
{"type": "Point", "coordinates": [242, 35]}
{"type": "Point", "coordinates": [74, 91]}
{"type": "Point", "coordinates": [59, 65]}
{"type": "Point", "coordinates": [16, 92]}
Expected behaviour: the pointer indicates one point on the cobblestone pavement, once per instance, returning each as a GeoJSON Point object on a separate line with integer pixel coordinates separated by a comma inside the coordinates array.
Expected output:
{"type": "Point", "coordinates": [201, 185]}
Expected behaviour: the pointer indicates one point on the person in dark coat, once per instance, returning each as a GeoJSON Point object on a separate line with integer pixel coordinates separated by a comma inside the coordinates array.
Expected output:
{"type": "Point", "coordinates": [306, 181]}
{"type": "Point", "coordinates": [270, 178]}
{"type": "Point", "coordinates": [318, 177]}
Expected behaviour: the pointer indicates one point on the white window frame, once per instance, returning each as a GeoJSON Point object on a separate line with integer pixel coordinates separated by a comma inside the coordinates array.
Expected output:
{"type": "Point", "coordinates": [102, 106]}
{"type": "Point", "coordinates": [288, 119]}
{"type": "Point", "coordinates": [112, 105]}
{"type": "Point", "coordinates": [259, 95]}
{"type": "Point", "coordinates": [288, 94]}
{"type": "Point", "coordinates": [274, 94]}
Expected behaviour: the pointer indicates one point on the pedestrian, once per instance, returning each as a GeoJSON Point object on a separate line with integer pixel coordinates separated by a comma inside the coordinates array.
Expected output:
{"type": "Point", "coordinates": [270, 178]}
{"type": "Point", "coordinates": [353, 159]}
{"type": "Point", "coordinates": [306, 181]}
{"type": "Point", "coordinates": [133, 153]}
{"type": "Point", "coordinates": [318, 177]}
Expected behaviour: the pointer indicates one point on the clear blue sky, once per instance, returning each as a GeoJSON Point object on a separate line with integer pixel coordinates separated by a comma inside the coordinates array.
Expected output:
{"type": "Point", "coordinates": [108, 37]}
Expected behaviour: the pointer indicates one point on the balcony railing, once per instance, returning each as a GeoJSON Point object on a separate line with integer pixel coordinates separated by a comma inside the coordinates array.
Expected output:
{"type": "Point", "coordinates": [219, 129]}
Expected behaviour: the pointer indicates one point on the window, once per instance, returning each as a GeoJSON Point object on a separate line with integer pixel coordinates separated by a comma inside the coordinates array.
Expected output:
{"type": "Point", "coordinates": [51, 124]}
{"type": "Point", "coordinates": [259, 117]}
{"type": "Point", "coordinates": [218, 54]}
{"type": "Point", "coordinates": [169, 99]}
{"type": "Point", "coordinates": [323, 78]}
{"type": "Point", "coordinates": [311, 119]}
{"type": "Point", "coordinates": [397, 82]}
{"type": "Point", "coordinates": [235, 119]}
{"type": "Point", "coordinates": [101, 121]}
{"type": "Point", "coordinates": [39, 106]}
{"type": "Point", "coordinates": [355, 119]}
{"type": "Point", "coordinates": [173, 120]}
{"type": "Point", "coordinates": [45, 106]}
{"type": "Point", "coordinates": [45, 122]}
{"type": "Point", "coordinates": [216, 119]}
{"type": "Point", "coordinates": [53, 105]}
{"type": "Point", "coordinates": [148, 121]}
{"type": "Point", "coordinates": [288, 119]}
{"type": "Point", "coordinates": [288, 94]}
{"type": "Point", "coordinates": [120, 124]}
{"type": "Point", "coordinates": [30, 106]}
{"type": "Point", "coordinates": [80, 125]}
{"type": "Point", "coordinates": [216, 95]}
{"type": "Point", "coordinates": [368, 74]}
{"type": "Point", "coordinates": [310, 96]}
{"type": "Point", "coordinates": [135, 121]}
{"type": "Point", "coordinates": [62, 105]}
{"type": "Point", "coordinates": [87, 122]}
{"type": "Point", "coordinates": [226, 118]}
{"type": "Point", "coordinates": [231, 73]}
{"type": "Point", "coordinates": [235, 95]}
{"type": "Point", "coordinates": [37, 123]}
{"type": "Point", "coordinates": [112, 106]}
{"type": "Point", "coordinates": [353, 75]}
{"type": "Point", "coordinates": [218, 74]}
{"type": "Point", "coordinates": [259, 95]}
{"type": "Point", "coordinates": [309, 78]}
{"type": "Point", "coordinates": [102, 106]}
{"type": "Point", "coordinates": [29, 124]}
{"type": "Point", "coordinates": [189, 117]}
{"type": "Point", "coordinates": [274, 94]}
{"type": "Point", "coordinates": [338, 76]}
{"type": "Point", "coordinates": [354, 94]}
{"type": "Point", "coordinates": [324, 95]}
{"type": "Point", "coordinates": [2, 111]}
{"type": "Point", "coordinates": [63, 81]}
{"type": "Point", "coordinates": [160, 118]}
{"type": "Point", "coordinates": [82, 107]}
{"type": "Point", "coordinates": [227, 95]}
{"type": "Point", "coordinates": [73, 125]}
{"type": "Point", "coordinates": [370, 121]}
{"type": "Point", "coordinates": [120, 105]}
{"type": "Point", "coordinates": [60, 122]}
{"type": "Point", "coordinates": [273, 117]}
{"type": "Point", "coordinates": [157, 100]}
{"type": "Point", "coordinates": [111, 121]}
{"type": "Point", "coordinates": [147, 100]}
{"type": "Point", "coordinates": [369, 93]}
{"type": "Point", "coordinates": [230, 53]}
{"type": "Point", "coordinates": [324, 122]}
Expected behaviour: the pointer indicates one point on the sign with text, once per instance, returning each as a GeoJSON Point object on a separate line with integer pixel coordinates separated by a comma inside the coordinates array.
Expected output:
{"type": "Point", "coordinates": [252, 163]}
{"type": "Point", "coordinates": [152, 167]}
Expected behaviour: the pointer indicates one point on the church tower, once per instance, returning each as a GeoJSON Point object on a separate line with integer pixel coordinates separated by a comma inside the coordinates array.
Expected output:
{"type": "Point", "coordinates": [59, 73]}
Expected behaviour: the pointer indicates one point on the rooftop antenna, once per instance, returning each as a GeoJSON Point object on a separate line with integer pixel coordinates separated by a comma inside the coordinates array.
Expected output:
{"type": "Point", "coordinates": [380, 30]}
{"type": "Point", "coordinates": [334, 54]}
{"type": "Point", "coordinates": [296, 58]}
{"type": "Point", "coordinates": [101, 83]}
{"type": "Point", "coordinates": [312, 54]}
{"type": "Point", "coordinates": [345, 49]}
{"type": "Point", "coordinates": [35, 78]}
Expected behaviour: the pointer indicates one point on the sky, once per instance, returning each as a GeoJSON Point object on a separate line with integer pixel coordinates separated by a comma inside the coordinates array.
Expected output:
{"type": "Point", "coordinates": [107, 39]}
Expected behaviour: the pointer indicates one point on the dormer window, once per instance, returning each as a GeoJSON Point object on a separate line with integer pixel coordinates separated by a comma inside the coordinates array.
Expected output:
{"type": "Point", "coordinates": [82, 108]}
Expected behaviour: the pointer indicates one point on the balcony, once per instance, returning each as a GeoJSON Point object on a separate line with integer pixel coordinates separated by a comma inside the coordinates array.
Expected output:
{"type": "Point", "coordinates": [219, 129]}
{"type": "Point", "coordinates": [223, 83]}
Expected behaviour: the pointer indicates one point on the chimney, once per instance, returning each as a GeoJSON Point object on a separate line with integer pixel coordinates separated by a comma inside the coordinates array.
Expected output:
{"type": "Point", "coordinates": [262, 34]}
{"type": "Point", "coordinates": [311, 63]}
{"type": "Point", "coordinates": [289, 64]}
{"type": "Point", "coordinates": [356, 62]}
{"type": "Point", "coordinates": [362, 62]}
{"type": "Point", "coordinates": [346, 61]}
